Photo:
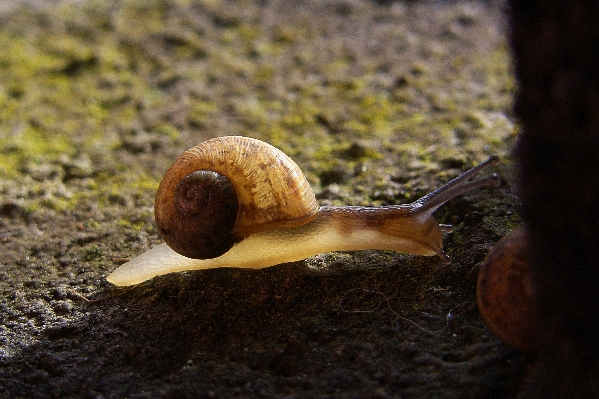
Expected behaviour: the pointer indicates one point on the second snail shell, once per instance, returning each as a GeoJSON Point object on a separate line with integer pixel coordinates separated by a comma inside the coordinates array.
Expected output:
{"type": "Point", "coordinates": [505, 291]}
{"type": "Point", "coordinates": [243, 185]}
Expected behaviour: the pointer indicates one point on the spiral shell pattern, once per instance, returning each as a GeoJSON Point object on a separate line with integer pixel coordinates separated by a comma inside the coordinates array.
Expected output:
{"type": "Point", "coordinates": [271, 190]}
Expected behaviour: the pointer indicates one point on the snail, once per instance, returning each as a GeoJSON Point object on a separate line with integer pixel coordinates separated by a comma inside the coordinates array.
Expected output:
{"type": "Point", "coordinates": [505, 291]}
{"type": "Point", "coordinates": [239, 202]}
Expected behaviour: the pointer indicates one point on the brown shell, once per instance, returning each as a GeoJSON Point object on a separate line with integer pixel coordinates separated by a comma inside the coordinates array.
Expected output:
{"type": "Point", "coordinates": [271, 189]}
{"type": "Point", "coordinates": [505, 291]}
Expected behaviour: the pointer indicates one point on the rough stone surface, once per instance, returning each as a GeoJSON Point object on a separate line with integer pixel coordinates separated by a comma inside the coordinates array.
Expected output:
{"type": "Point", "coordinates": [378, 102]}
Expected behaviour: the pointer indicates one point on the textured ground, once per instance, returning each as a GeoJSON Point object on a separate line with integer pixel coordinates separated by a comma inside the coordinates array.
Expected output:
{"type": "Point", "coordinates": [377, 102]}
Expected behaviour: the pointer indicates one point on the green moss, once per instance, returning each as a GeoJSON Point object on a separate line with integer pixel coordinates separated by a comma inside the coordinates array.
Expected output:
{"type": "Point", "coordinates": [96, 79]}
{"type": "Point", "coordinates": [93, 252]}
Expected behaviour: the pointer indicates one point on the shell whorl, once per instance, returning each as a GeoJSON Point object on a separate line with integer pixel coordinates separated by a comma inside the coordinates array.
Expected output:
{"type": "Point", "coordinates": [270, 189]}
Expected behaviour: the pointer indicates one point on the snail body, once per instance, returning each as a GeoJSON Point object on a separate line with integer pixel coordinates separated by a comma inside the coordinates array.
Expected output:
{"type": "Point", "coordinates": [275, 217]}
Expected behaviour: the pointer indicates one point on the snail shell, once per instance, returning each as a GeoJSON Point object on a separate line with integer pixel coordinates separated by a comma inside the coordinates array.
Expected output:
{"type": "Point", "coordinates": [225, 189]}
{"type": "Point", "coordinates": [505, 291]}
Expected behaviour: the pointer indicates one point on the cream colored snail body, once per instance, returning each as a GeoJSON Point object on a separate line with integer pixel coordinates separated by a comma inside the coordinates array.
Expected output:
{"type": "Point", "coordinates": [239, 202]}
